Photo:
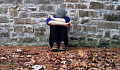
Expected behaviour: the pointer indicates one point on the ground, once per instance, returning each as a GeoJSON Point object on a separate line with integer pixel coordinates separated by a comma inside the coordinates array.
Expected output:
{"type": "Point", "coordinates": [76, 58]}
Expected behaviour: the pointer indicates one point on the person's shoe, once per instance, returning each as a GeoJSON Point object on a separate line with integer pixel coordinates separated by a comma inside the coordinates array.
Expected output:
{"type": "Point", "coordinates": [62, 46]}
{"type": "Point", "coordinates": [55, 47]}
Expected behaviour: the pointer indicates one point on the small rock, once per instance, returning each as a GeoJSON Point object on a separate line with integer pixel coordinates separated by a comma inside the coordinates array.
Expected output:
{"type": "Point", "coordinates": [28, 56]}
{"type": "Point", "coordinates": [3, 58]}
{"type": "Point", "coordinates": [15, 56]}
{"type": "Point", "coordinates": [32, 62]}
{"type": "Point", "coordinates": [63, 62]}
{"type": "Point", "coordinates": [38, 67]}
{"type": "Point", "coordinates": [21, 56]}
{"type": "Point", "coordinates": [19, 50]}
{"type": "Point", "coordinates": [94, 69]}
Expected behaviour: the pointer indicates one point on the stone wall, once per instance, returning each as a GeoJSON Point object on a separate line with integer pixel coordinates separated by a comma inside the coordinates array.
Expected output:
{"type": "Point", "coordinates": [95, 22]}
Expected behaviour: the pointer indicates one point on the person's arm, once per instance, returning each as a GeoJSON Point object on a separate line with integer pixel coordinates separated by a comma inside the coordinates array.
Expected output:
{"type": "Point", "coordinates": [57, 19]}
{"type": "Point", "coordinates": [60, 23]}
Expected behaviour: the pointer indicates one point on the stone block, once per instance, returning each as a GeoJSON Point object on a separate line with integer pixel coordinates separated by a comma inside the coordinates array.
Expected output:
{"type": "Point", "coordinates": [110, 7]}
{"type": "Point", "coordinates": [18, 21]}
{"type": "Point", "coordinates": [37, 1]}
{"type": "Point", "coordinates": [13, 13]}
{"type": "Point", "coordinates": [85, 21]}
{"type": "Point", "coordinates": [6, 25]}
{"type": "Point", "coordinates": [28, 29]}
{"type": "Point", "coordinates": [100, 31]}
{"type": "Point", "coordinates": [90, 39]}
{"type": "Point", "coordinates": [38, 15]}
{"type": "Point", "coordinates": [27, 40]}
{"type": "Point", "coordinates": [96, 5]}
{"type": "Point", "coordinates": [83, 1]}
{"type": "Point", "coordinates": [39, 31]}
{"type": "Point", "coordinates": [115, 37]}
{"type": "Point", "coordinates": [75, 18]}
{"type": "Point", "coordinates": [13, 1]}
{"type": "Point", "coordinates": [77, 27]}
{"type": "Point", "coordinates": [18, 28]}
{"type": "Point", "coordinates": [90, 28]}
{"type": "Point", "coordinates": [43, 8]}
{"type": "Point", "coordinates": [1, 29]}
{"type": "Point", "coordinates": [107, 33]}
{"type": "Point", "coordinates": [118, 7]}
{"type": "Point", "coordinates": [23, 21]}
{"type": "Point", "coordinates": [1, 2]}
{"type": "Point", "coordinates": [23, 15]}
{"type": "Point", "coordinates": [99, 36]}
{"type": "Point", "coordinates": [94, 22]}
{"type": "Point", "coordinates": [104, 42]}
{"type": "Point", "coordinates": [74, 38]}
{"type": "Point", "coordinates": [57, 1]}
{"type": "Point", "coordinates": [4, 19]}
{"type": "Point", "coordinates": [112, 17]}
{"type": "Point", "coordinates": [80, 6]}
{"type": "Point", "coordinates": [93, 14]}
{"type": "Point", "coordinates": [74, 22]}
{"type": "Point", "coordinates": [70, 6]}
{"type": "Point", "coordinates": [88, 13]}
{"type": "Point", "coordinates": [5, 34]}
{"type": "Point", "coordinates": [3, 10]}
{"type": "Point", "coordinates": [32, 9]}
{"type": "Point", "coordinates": [115, 42]}
{"type": "Point", "coordinates": [72, 1]}
{"type": "Point", "coordinates": [31, 22]}
{"type": "Point", "coordinates": [72, 11]}
{"type": "Point", "coordinates": [42, 1]}
{"type": "Point", "coordinates": [14, 39]}
{"type": "Point", "coordinates": [91, 35]}
{"type": "Point", "coordinates": [114, 0]}
{"type": "Point", "coordinates": [83, 13]}
{"type": "Point", "coordinates": [107, 25]}
{"type": "Point", "coordinates": [14, 34]}
{"type": "Point", "coordinates": [29, 1]}
{"type": "Point", "coordinates": [50, 8]}
{"type": "Point", "coordinates": [82, 38]}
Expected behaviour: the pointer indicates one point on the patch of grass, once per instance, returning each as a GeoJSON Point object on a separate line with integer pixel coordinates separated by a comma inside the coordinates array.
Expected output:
{"type": "Point", "coordinates": [90, 43]}
{"type": "Point", "coordinates": [42, 49]}
{"type": "Point", "coordinates": [8, 63]}
{"type": "Point", "coordinates": [73, 43]}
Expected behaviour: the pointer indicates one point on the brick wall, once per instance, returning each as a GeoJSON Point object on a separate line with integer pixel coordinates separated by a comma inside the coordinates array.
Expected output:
{"type": "Point", "coordinates": [95, 22]}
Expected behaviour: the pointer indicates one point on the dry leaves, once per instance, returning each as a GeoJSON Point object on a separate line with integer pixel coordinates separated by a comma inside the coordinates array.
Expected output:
{"type": "Point", "coordinates": [25, 58]}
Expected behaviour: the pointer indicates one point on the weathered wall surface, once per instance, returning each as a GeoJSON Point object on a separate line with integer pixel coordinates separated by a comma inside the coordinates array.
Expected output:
{"type": "Point", "coordinates": [95, 22]}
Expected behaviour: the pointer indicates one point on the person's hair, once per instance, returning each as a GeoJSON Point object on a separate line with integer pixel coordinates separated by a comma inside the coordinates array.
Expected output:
{"type": "Point", "coordinates": [60, 13]}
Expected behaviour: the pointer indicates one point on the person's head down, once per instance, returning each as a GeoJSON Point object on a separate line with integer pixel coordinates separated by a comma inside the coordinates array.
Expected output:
{"type": "Point", "coordinates": [60, 13]}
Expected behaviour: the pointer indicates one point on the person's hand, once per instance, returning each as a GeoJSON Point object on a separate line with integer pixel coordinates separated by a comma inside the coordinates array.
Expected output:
{"type": "Point", "coordinates": [68, 25]}
{"type": "Point", "coordinates": [51, 16]}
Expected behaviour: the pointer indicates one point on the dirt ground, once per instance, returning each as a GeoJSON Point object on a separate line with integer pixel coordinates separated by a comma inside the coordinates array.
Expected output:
{"type": "Point", "coordinates": [76, 58]}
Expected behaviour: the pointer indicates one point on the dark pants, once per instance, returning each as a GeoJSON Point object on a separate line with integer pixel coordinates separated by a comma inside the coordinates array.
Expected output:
{"type": "Point", "coordinates": [58, 34]}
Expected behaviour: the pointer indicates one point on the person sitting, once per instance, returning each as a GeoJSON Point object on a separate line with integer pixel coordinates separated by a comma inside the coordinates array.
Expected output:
{"type": "Point", "coordinates": [58, 30]}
